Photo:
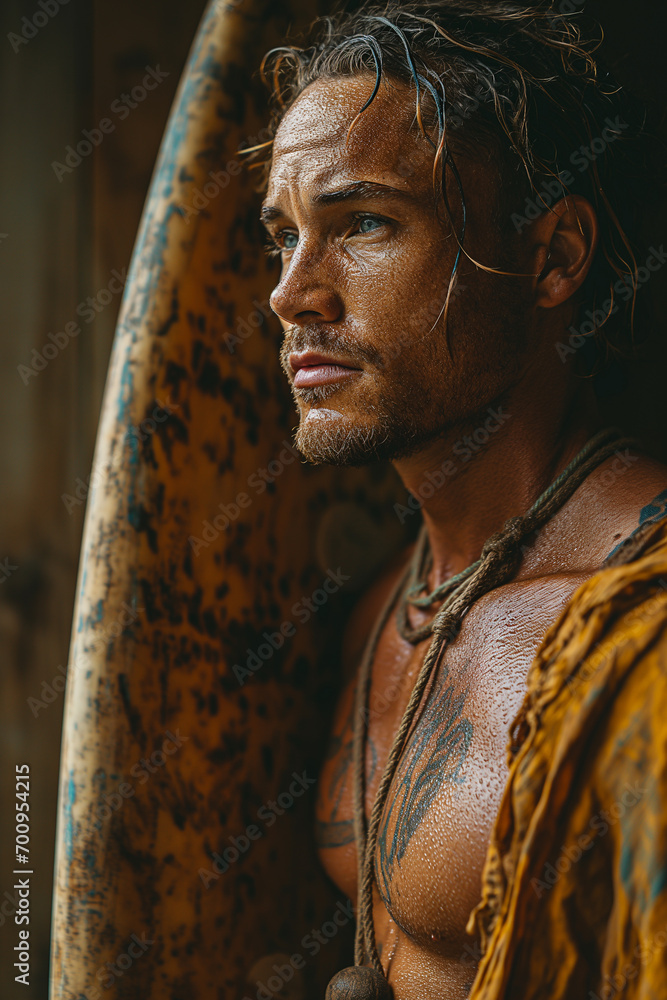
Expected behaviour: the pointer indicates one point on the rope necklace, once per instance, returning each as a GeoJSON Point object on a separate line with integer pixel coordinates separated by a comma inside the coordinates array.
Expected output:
{"type": "Point", "coordinates": [499, 561]}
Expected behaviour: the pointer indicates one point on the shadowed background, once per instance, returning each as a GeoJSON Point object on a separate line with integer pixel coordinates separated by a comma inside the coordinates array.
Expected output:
{"type": "Point", "coordinates": [61, 240]}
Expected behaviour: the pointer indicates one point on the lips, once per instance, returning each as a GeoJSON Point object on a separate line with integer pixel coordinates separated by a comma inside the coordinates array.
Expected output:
{"type": "Point", "coordinates": [312, 369]}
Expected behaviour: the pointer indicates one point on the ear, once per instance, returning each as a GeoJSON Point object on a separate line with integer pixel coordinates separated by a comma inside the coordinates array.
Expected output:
{"type": "Point", "coordinates": [563, 241]}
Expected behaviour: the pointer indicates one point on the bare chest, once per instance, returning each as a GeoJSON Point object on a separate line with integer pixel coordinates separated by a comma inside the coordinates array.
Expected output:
{"type": "Point", "coordinates": [445, 794]}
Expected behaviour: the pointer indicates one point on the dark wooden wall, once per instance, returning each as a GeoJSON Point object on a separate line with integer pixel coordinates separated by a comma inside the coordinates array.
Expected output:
{"type": "Point", "coordinates": [60, 242]}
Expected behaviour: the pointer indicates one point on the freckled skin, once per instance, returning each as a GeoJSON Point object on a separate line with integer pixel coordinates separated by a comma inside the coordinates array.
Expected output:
{"type": "Point", "coordinates": [376, 290]}
{"type": "Point", "coordinates": [355, 289]}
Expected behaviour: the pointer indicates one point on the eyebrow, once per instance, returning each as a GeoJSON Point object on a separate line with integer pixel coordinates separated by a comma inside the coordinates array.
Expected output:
{"type": "Point", "coordinates": [357, 190]}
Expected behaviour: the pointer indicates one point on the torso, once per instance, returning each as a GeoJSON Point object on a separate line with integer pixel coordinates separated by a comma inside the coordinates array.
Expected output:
{"type": "Point", "coordinates": [445, 795]}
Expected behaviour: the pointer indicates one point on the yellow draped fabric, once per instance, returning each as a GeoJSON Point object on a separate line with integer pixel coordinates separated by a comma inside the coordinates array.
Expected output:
{"type": "Point", "coordinates": [574, 895]}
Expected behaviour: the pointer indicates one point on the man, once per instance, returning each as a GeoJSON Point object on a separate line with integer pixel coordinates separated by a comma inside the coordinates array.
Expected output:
{"type": "Point", "coordinates": [446, 271]}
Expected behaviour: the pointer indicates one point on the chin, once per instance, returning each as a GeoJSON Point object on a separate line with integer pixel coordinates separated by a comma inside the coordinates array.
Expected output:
{"type": "Point", "coordinates": [327, 437]}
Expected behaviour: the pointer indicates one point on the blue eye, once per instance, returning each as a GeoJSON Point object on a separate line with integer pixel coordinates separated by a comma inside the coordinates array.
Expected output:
{"type": "Point", "coordinates": [285, 240]}
{"type": "Point", "coordinates": [364, 228]}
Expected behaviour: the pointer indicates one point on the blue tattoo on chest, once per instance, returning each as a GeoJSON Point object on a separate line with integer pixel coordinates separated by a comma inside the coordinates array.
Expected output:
{"type": "Point", "coordinates": [436, 754]}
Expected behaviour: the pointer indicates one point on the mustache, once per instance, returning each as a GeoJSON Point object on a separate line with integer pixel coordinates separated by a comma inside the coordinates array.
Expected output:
{"type": "Point", "coordinates": [298, 339]}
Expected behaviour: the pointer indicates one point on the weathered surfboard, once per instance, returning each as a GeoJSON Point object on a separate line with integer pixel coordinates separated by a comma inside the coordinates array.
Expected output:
{"type": "Point", "coordinates": [215, 574]}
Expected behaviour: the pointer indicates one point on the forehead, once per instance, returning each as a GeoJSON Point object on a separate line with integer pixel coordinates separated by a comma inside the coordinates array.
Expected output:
{"type": "Point", "coordinates": [386, 144]}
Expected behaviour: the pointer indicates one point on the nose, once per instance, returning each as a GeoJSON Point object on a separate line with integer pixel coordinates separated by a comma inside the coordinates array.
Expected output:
{"type": "Point", "coordinates": [304, 294]}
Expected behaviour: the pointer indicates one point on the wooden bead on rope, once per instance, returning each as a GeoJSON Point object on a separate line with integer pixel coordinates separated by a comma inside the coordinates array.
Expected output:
{"type": "Point", "coordinates": [359, 982]}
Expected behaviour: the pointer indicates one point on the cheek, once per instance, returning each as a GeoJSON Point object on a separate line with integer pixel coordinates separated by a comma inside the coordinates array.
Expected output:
{"type": "Point", "coordinates": [405, 285]}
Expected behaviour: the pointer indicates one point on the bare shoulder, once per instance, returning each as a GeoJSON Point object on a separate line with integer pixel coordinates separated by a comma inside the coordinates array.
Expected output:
{"type": "Point", "coordinates": [627, 492]}
{"type": "Point", "coordinates": [368, 607]}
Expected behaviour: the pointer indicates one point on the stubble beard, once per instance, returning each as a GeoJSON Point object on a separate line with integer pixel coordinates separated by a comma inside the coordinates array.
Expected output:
{"type": "Point", "coordinates": [405, 402]}
{"type": "Point", "coordinates": [373, 423]}
{"type": "Point", "coordinates": [375, 432]}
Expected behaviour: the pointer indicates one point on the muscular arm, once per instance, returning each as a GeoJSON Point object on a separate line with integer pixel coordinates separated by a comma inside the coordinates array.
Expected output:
{"type": "Point", "coordinates": [335, 824]}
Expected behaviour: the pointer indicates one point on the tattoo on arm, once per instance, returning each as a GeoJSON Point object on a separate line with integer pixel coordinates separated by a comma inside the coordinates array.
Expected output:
{"type": "Point", "coordinates": [653, 512]}
{"type": "Point", "coordinates": [419, 780]}
{"type": "Point", "coordinates": [336, 832]}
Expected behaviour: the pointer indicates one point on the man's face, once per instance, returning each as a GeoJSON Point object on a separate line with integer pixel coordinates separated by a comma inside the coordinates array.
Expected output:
{"type": "Point", "coordinates": [366, 263]}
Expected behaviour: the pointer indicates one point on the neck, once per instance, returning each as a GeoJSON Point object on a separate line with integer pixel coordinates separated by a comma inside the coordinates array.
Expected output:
{"type": "Point", "coordinates": [486, 470]}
